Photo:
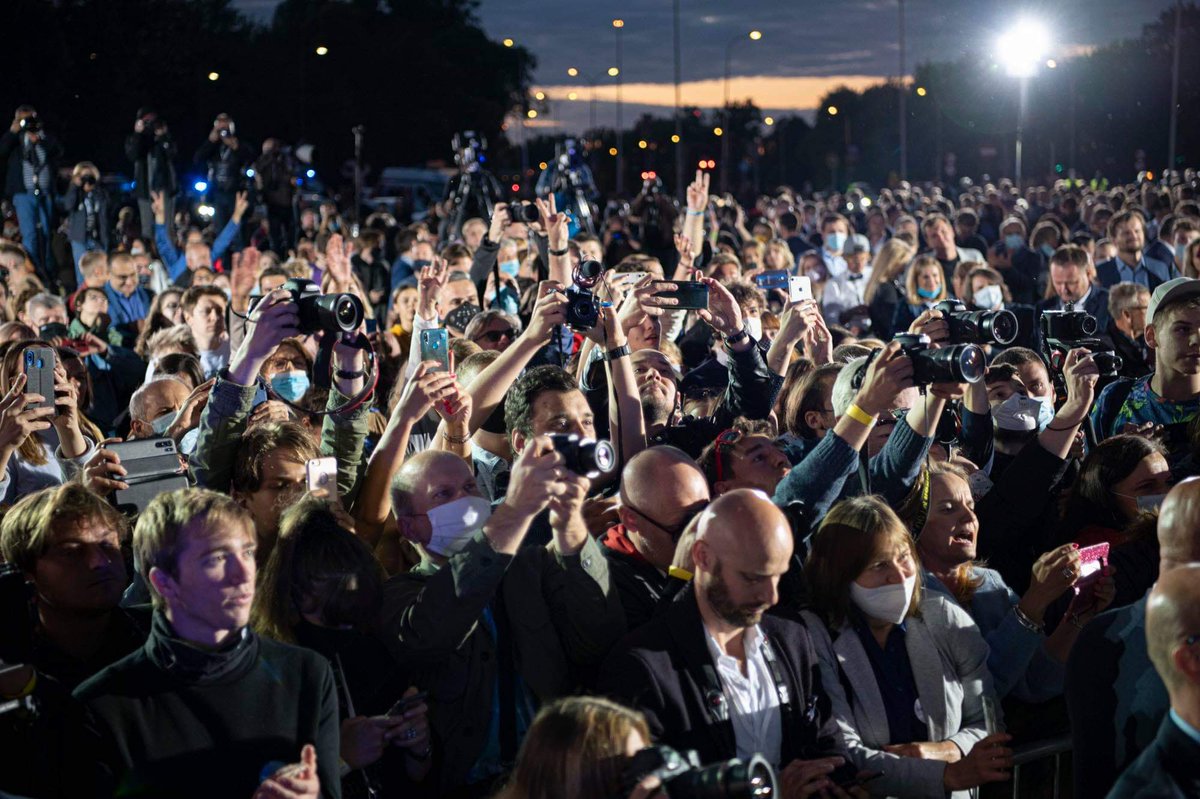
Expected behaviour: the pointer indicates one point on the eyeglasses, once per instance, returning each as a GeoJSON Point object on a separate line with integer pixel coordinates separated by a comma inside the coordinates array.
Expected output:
{"type": "Point", "coordinates": [726, 441]}
{"type": "Point", "coordinates": [674, 531]}
{"type": "Point", "coordinates": [494, 336]}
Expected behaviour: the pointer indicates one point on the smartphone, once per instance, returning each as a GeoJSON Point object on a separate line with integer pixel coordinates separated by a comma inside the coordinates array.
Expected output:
{"type": "Point", "coordinates": [1091, 567]}
{"type": "Point", "coordinates": [408, 703]}
{"type": "Point", "coordinates": [435, 346]}
{"type": "Point", "coordinates": [39, 369]}
{"type": "Point", "coordinates": [774, 279]}
{"type": "Point", "coordinates": [372, 326]}
{"type": "Point", "coordinates": [799, 288]}
{"type": "Point", "coordinates": [692, 294]}
{"type": "Point", "coordinates": [629, 278]}
{"type": "Point", "coordinates": [322, 477]}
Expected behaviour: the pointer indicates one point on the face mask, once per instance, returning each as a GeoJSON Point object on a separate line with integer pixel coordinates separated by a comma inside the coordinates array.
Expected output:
{"type": "Point", "coordinates": [988, 297]}
{"type": "Point", "coordinates": [161, 424]}
{"type": "Point", "coordinates": [143, 280]}
{"type": "Point", "coordinates": [1149, 502]}
{"type": "Point", "coordinates": [980, 483]}
{"type": "Point", "coordinates": [455, 522]}
{"type": "Point", "coordinates": [1018, 413]}
{"type": "Point", "coordinates": [187, 444]}
{"type": "Point", "coordinates": [510, 267]}
{"type": "Point", "coordinates": [1013, 241]}
{"type": "Point", "coordinates": [416, 265]}
{"type": "Point", "coordinates": [292, 386]}
{"type": "Point", "coordinates": [1180, 251]}
{"type": "Point", "coordinates": [1047, 250]}
{"type": "Point", "coordinates": [885, 603]}
{"type": "Point", "coordinates": [835, 241]}
{"type": "Point", "coordinates": [1045, 412]}
{"type": "Point", "coordinates": [928, 294]}
{"type": "Point", "coordinates": [754, 327]}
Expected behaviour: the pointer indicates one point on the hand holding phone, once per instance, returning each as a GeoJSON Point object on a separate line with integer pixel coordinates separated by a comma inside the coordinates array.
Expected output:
{"type": "Point", "coordinates": [38, 365]}
{"type": "Point", "coordinates": [408, 703]}
{"type": "Point", "coordinates": [322, 477]}
{"type": "Point", "coordinates": [435, 346]}
{"type": "Point", "coordinates": [691, 295]}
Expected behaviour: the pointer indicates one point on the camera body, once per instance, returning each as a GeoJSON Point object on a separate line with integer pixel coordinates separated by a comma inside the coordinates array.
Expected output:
{"type": "Point", "coordinates": [585, 456]}
{"type": "Point", "coordinates": [524, 212]}
{"type": "Point", "coordinates": [978, 327]}
{"type": "Point", "coordinates": [1071, 329]}
{"type": "Point", "coordinates": [960, 363]}
{"type": "Point", "coordinates": [583, 308]}
{"type": "Point", "coordinates": [31, 124]}
{"type": "Point", "coordinates": [683, 777]}
{"type": "Point", "coordinates": [333, 313]}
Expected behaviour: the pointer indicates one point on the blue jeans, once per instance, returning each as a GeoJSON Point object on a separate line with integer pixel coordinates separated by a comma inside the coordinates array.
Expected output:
{"type": "Point", "coordinates": [33, 210]}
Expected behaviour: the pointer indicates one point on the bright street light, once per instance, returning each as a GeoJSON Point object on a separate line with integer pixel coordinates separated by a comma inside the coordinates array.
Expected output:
{"type": "Point", "coordinates": [618, 23]}
{"type": "Point", "coordinates": [322, 50]}
{"type": "Point", "coordinates": [756, 35]}
{"type": "Point", "coordinates": [614, 71]}
{"type": "Point", "coordinates": [769, 121]}
{"type": "Point", "coordinates": [572, 95]}
{"type": "Point", "coordinates": [833, 111]}
{"type": "Point", "coordinates": [214, 75]}
{"type": "Point", "coordinates": [921, 91]}
{"type": "Point", "coordinates": [572, 72]}
{"type": "Point", "coordinates": [539, 95]}
{"type": "Point", "coordinates": [508, 42]}
{"type": "Point", "coordinates": [1022, 48]}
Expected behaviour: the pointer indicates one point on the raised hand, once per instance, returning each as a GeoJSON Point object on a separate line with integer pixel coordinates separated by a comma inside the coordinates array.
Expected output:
{"type": "Point", "coordinates": [241, 203]}
{"type": "Point", "coordinates": [723, 312]}
{"type": "Point", "coordinates": [429, 285]}
{"type": "Point", "coordinates": [337, 260]}
{"type": "Point", "coordinates": [17, 420]}
{"type": "Point", "coordinates": [421, 392]}
{"type": "Point", "coordinates": [697, 192]}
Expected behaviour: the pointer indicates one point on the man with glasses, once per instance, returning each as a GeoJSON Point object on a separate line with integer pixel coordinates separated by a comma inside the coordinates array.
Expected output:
{"type": "Point", "coordinates": [128, 303]}
{"type": "Point", "coordinates": [1170, 766]}
{"type": "Point", "coordinates": [662, 489]}
{"type": "Point", "coordinates": [1127, 306]}
{"type": "Point", "coordinates": [493, 330]}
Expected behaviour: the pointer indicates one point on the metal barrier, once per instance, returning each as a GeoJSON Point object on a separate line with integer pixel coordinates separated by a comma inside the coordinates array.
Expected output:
{"type": "Point", "coordinates": [1040, 750]}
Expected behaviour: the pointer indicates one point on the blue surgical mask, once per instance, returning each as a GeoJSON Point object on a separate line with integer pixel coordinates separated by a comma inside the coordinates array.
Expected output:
{"type": "Point", "coordinates": [187, 444]}
{"type": "Point", "coordinates": [510, 267]}
{"type": "Point", "coordinates": [928, 294]}
{"type": "Point", "coordinates": [1180, 251]}
{"type": "Point", "coordinates": [1014, 241]}
{"type": "Point", "coordinates": [292, 386]}
{"type": "Point", "coordinates": [1047, 250]}
{"type": "Point", "coordinates": [1045, 412]}
{"type": "Point", "coordinates": [1149, 502]}
{"type": "Point", "coordinates": [163, 422]}
{"type": "Point", "coordinates": [835, 241]}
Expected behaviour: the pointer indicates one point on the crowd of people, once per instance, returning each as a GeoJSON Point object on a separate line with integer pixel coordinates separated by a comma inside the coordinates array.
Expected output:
{"type": "Point", "coordinates": [868, 533]}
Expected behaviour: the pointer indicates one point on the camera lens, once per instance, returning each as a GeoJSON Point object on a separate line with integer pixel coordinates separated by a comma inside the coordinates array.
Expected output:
{"type": "Point", "coordinates": [1000, 327]}
{"type": "Point", "coordinates": [526, 212]}
{"type": "Point", "coordinates": [597, 456]}
{"type": "Point", "coordinates": [1087, 325]}
{"type": "Point", "coordinates": [962, 363]}
{"type": "Point", "coordinates": [590, 271]}
{"type": "Point", "coordinates": [733, 779]}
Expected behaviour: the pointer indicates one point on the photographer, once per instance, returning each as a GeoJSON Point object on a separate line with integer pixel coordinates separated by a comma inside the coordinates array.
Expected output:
{"type": "Point", "coordinates": [152, 151]}
{"type": "Point", "coordinates": [277, 187]}
{"type": "Point", "coordinates": [225, 157]}
{"type": "Point", "coordinates": [88, 214]}
{"type": "Point", "coordinates": [32, 159]}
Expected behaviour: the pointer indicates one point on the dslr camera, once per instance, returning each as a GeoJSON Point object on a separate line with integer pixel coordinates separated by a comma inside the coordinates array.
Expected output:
{"type": "Point", "coordinates": [1069, 329]}
{"type": "Point", "coordinates": [583, 309]}
{"type": "Point", "coordinates": [960, 363]}
{"type": "Point", "coordinates": [332, 313]}
{"type": "Point", "coordinates": [683, 777]}
{"type": "Point", "coordinates": [585, 456]}
{"type": "Point", "coordinates": [524, 212]}
{"type": "Point", "coordinates": [978, 327]}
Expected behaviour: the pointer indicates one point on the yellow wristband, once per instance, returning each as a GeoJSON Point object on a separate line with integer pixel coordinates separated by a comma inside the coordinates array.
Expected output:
{"type": "Point", "coordinates": [27, 690]}
{"type": "Point", "coordinates": [859, 415]}
{"type": "Point", "coordinates": [678, 573]}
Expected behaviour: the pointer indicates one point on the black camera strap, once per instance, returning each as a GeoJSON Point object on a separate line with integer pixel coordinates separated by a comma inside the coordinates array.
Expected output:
{"type": "Point", "coordinates": [717, 704]}
{"type": "Point", "coordinates": [322, 375]}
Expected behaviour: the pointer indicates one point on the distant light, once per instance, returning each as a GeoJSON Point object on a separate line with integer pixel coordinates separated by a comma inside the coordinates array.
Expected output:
{"type": "Point", "coordinates": [214, 75]}
{"type": "Point", "coordinates": [539, 95]}
{"type": "Point", "coordinates": [921, 91]}
{"type": "Point", "coordinates": [833, 111]}
{"type": "Point", "coordinates": [618, 23]}
{"type": "Point", "coordinates": [205, 211]}
{"type": "Point", "coordinates": [612, 150]}
{"type": "Point", "coordinates": [572, 71]}
{"type": "Point", "coordinates": [572, 95]}
{"type": "Point", "coordinates": [508, 43]}
{"type": "Point", "coordinates": [718, 132]}
{"type": "Point", "coordinates": [613, 71]}
{"type": "Point", "coordinates": [531, 113]}
{"type": "Point", "coordinates": [703, 163]}
{"type": "Point", "coordinates": [542, 165]}
{"type": "Point", "coordinates": [1051, 63]}
{"type": "Point", "coordinates": [322, 50]}
{"type": "Point", "coordinates": [200, 186]}
{"type": "Point", "coordinates": [642, 145]}
{"type": "Point", "coordinates": [712, 164]}
{"type": "Point", "coordinates": [866, 202]}
{"type": "Point", "coordinates": [769, 121]}
{"type": "Point", "coordinates": [756, 35]}
{"type": "Point", "coordinates": [310, 174]}
{"type": "Point", "coordinates": [675, 139]}
{"type": "Point", "coordinates": [516, 187]}
{"type": "Point", "coordinates": [1023, 47]}
{"type": "Point", "coordinates": [250, 172]}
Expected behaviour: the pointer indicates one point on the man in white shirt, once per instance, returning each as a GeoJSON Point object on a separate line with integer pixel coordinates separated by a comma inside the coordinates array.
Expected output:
{"type": "Point", "coordinates": [846, 292]}
{"type": "Point", "coordinates": [204, 313]}
{"type": "Point", "coordinates": [835, 232]}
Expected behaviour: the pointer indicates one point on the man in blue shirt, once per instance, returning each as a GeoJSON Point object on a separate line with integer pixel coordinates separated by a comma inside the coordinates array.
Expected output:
{"type": "Point", "coordinates": [1128, 231]}
{"type": "Point", "coordinates": [196, 254]}
{"type": "Point", "coordinates": [128, 303]}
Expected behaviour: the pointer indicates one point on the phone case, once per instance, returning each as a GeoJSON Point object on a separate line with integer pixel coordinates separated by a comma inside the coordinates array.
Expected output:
{"type": "Point", "coordinates": [38, 364]}
{"type": "Point", "coordinates": [799, 288]}
{"type": "Point", "coordinates": [435, 346]}
{"type": "Point", "coordinates": [692, 295]}
{"type": "Point", "coordinates": [321, 474]}
{"type": "Point", "coordinates": [775, 279]}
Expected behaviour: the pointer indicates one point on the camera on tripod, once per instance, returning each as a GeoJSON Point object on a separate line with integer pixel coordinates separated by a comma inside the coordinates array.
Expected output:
{"type": "Point", "coordinates": [1070, 329]}
{"type": "Point", "coordinates": [978, 327]}
{"type": "Point", "coordinates": [960, 363]}
{"type": "Point", "coordinates": [583, 308]}
{"type": "Point", "coordinates": [683, 777]}
{"type": "Point", "coordinates": [469, 148]}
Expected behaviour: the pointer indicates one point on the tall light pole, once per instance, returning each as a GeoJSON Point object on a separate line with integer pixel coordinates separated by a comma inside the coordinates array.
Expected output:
{"type": "Point", "coordinates": [678, 138]}
{"type": "Point", "coordinates": [618, 26]}
{"type": "Point", "coordinates": [753, 36]}
{"type": "Point", "coordinates": [1021, 50]}
{"type": "Point", "coordinates": [1175, 84]}
{"type": "Point", "coordinates": [590, 81]}
{"type": "Point", "coordinates": [903, 103]}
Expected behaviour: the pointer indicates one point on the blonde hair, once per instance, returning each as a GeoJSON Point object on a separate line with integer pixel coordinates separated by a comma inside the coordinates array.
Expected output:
{"type": "Point", "coordinates": [891, 258]}
{"type": "Point", "coordinates": [910, 280]}
{"type": "Point", "coordinates": [28, 526]}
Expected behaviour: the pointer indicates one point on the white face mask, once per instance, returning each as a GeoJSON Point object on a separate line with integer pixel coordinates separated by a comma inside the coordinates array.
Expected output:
{"type": "Point", "coordinates": [1018, 413]}
{"type": "Point", "coordinates": [455, 522]}
{"type": "Point", "coordinates": [885, 603]}
{"type": "Point", "coordinates": [754, 327]}
{"type": "Point", "coordinates": [988, 297]}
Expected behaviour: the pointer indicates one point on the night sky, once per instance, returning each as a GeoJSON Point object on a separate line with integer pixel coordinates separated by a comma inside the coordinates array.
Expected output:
{"type": "Point", "coordinates": [807, 48]}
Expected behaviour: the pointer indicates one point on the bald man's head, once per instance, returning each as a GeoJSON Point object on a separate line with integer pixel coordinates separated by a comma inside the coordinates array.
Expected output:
{"type": "Point", "coordinates": [152, 401]}
{"type": "Point", "coordinates": [662, 488]}
{"type": "Point", "coordinates": [1172, 616]}
{"type": "Point", "coordinates": [429, 479]}
{"type": "Point", "coordinates": [1179, 526]}
{"type": "Point", "coordinates": [743, 547]}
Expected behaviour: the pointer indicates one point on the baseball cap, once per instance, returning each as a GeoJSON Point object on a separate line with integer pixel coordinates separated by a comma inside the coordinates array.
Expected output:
{"type": "Point", "coordinates": [856, 244]}
{"type": "Point", "coordinates": [1177, 289]}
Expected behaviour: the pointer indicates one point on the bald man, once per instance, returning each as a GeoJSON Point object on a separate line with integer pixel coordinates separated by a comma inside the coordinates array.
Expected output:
{"type": "Point", "coordinates": [1115, 699]}
{"type": "Point", "coordinates": [1170, 766]}
{"type": "Point", "coordinates": [714, 674]}
{"type": "Point", "coordinates": [662, 489]}
{"type": "Point", "coordinates": [153, 407]}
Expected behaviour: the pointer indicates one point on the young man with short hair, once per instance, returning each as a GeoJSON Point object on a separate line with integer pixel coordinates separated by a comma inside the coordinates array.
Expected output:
{"type": "Point", "coordinates": [204, 312]}
{"type": "Point", "coordinates": [1132, 264]}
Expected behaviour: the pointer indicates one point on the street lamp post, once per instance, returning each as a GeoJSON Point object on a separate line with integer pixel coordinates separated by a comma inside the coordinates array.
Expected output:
{"type": "Point", "coordinates": [590, 81]}
{"type": "Point", "coordinates": [725, 115]}
{"type": "Point", "coordinates": [1021, 50]}
{"type": "Point", "coordinates": [903, 99]}
{"type": "Point", "coordinates": [618, 26]}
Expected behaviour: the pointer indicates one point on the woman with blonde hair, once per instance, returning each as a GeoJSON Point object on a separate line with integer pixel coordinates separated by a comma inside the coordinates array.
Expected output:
{"type": "Point", "coordinates": [579, 747]}
{"type": "Point", "coordinates": [885, 287]}
{"type": "Point", "coordinates": [778, 256]}
{"type": "Point", "coordinates": [924, 287]}
{"type": "Point", "coordinates": [921, 720]}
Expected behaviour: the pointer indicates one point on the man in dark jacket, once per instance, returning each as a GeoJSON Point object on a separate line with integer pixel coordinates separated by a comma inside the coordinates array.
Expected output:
{"type": "Point", "coordinates": [712, 673]}
{"type": "Point", "coordinates": [226, 158]}
{"type": "Point", "coordinates": [1170, 767]}
{"type": "Point", "coordinates": [206, 708]}
{"type": "Point", "coordinates": [277, 186]}
{"type": "Point", "coordinates": [32, 160]}
{"type": "Point", "coordinates": [152, 152]}
{"type": "Point", "coordinates": [1132, 264]}
{"type": "Point", "coordinates": [1127, 306]}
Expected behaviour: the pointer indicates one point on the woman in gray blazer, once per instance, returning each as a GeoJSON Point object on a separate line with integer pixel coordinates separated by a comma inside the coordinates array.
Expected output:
{"type": "Point", "coordinates": [906, 672]}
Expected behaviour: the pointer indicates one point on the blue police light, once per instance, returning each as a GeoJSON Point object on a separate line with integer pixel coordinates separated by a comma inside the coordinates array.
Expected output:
{"type": "Point", "coordinates": [312, 173]}
{"type": "Point", "coordinates": [200, 185]}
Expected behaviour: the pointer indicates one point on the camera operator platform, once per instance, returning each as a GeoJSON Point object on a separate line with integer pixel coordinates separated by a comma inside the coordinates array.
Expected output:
{"type": "Point", "coordinates": [474, 191]}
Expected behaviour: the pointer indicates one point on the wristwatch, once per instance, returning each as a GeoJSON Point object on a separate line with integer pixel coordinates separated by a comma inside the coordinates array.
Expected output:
{"type": "Point", "coordinates": [616, 353]}
{"type": "Point", "coordinates": [738, 337]}
{"type": "Point", "coordinates": [559, 253]}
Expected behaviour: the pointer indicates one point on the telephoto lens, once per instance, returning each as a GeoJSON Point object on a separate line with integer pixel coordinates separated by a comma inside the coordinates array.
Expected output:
{"type": "Point", "coordinates": [525, 212]}
{"type": "Point", "coordinates": [683, 777]}
{"type": "Point", "coordinates": [960, 363]}
{"type": "Point", "coordinates": [333, 313]}
{"type": "Point", "coordinates": [978, 327]}
{"type": "Point", "coordinates": [585, 456]}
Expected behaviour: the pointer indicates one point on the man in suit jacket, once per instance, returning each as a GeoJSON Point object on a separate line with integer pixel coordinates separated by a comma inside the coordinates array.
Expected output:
{"type": "Point", "coordinates": [1127, 306]}
{"type": "Point", "coordinates": [713, 674]}
{"type": "Point", "coordinates": [1068, 273]}
{"type": "Point", "coordinates": [1132, 264]}
{"type": "Point", "coordinates": [1170, 767]}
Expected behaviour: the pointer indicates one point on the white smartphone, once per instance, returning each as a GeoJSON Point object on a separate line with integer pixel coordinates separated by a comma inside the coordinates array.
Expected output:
{"type": "Point", "coordinates": [322, 477]}
{"type": "Point", "coordinates": [799, 288]}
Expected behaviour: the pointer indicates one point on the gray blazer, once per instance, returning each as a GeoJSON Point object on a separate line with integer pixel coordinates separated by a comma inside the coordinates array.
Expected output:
{"type": "Point", "coordinates": [949, 663]}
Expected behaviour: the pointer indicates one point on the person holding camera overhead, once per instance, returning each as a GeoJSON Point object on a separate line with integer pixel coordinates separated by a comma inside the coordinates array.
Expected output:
{"type": "Point", "coordinates": [32, 159]}
{"type": "Point", "coordinates": [88, 214]}
{"type": "Point", "coordinates": [152, 151]}
{"type": "Point", "coordinates": [226, 157]}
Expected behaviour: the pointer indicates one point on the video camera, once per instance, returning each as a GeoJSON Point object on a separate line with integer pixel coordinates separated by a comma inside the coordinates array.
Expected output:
{"type": "Point", "coordinates": [978, 327]}
{"type": "Point", "coordinates": [469, 148]}
{"type": "Point", "coordinates": [583, 308]}
{"type": "Point", "coordinates": [1069, 329]}
{"type": "Point", "coordinates": [32, 124]}
{"type": "Point", "coordinates": [683, 777]}
{"type": "Point", "coordinates": [960, 363]}
{"type": "Point", "coordinates": [524, 212]}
